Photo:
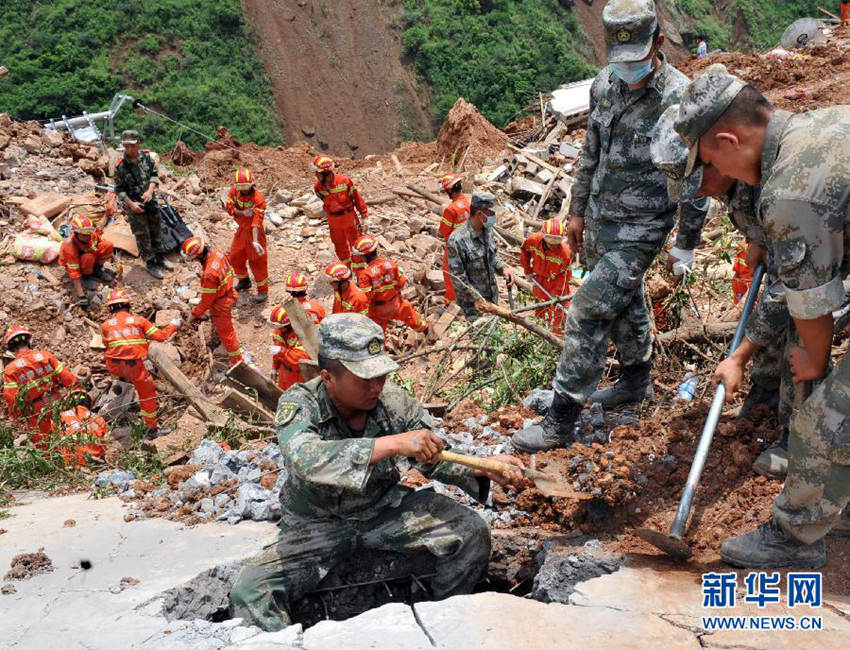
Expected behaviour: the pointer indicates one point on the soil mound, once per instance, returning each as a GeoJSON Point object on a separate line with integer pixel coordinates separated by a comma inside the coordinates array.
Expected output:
{"type": "Point", "coordinates": [466, 137]}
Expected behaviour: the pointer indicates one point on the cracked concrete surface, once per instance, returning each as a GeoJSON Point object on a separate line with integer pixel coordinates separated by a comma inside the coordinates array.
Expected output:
{"type": "Point", "coordinates": [633, 607]}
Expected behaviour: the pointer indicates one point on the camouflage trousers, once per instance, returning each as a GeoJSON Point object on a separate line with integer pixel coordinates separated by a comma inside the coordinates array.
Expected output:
{"type": "Point", "coordinates": [818, 483]}
{"type": "Point", "coordinates": [147, 229]}
{"type": "Point", "coordinates": [610, 303]}
{"type": "Point", "coordinates": [455, 538]}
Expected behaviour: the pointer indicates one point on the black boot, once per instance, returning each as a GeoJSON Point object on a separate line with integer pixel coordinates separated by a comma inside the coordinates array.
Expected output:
{"type": "Point", "coordinates": [769, 546]}
{"type": "Point", "coordinates": [244, 284]}
{"type": "Point", "coordinates": [102, 274]}
{"type": "Point", "coordinates": [634, 385]}
{"type": "Point", "coordinates": [164, 263]}
{"type": "Point", "coordinates": [153, 269]}
{"type": "Point", "coordinates": [556, 429]}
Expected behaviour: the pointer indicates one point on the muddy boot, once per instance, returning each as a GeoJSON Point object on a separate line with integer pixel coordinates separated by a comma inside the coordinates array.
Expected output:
{"type": "Point", "coordinates": [770, 545]}
{"type": "Point", "coordinates": [842, 526]}
{"type": "Point", "coordinates": [89, 282]}
{"type": "Point", "coordinates": [261, 297]}
{"type": "Point", "coordinates": [153, 269]}
{"type": "Point", "coordinates": [634, 385]}
{"type": "Point", "coordinates": [773, 461]}
{"type": "Point", "coordinates": [103, 275]}
{"type": "Point", "coordinates": [244, 284]}
{"type": "Point", "coordinates": [554, 430]}
{"type": "Point", "coordinates": [164, 263]}
{"type": "Point", "coordinates": [759, 396]}
{"type": "Point", "coordinates": [152, 434]}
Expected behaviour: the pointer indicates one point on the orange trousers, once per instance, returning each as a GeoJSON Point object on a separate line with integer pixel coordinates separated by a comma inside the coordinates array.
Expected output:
{"type": "Point", "coordinates": [845, 13]}
{"type": "Point", "coordinates": [345, 231]}
{"type": "Point", "coordinates": [103, 254]}
{"type": "Point", "coordinates": [450, 288]}
{"type": "Point", "coordinates": [135, 372]}
{"type": "Point", "coordinates": [397, 308]}
{"type": "Point", "coordinates": [221, 314]}
{"type": "Point", "coordinates": [739, 289]}
{"type": "Point", "coordinates": [242, 255]}
{"type": "Point", "coordinates": [40, 429]}
{"type": "Point", "coordinates": [552, 314]}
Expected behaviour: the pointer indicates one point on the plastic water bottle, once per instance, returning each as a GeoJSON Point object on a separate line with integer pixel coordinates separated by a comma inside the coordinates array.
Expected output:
{"type": "Point", "coordinates": [688, 388]}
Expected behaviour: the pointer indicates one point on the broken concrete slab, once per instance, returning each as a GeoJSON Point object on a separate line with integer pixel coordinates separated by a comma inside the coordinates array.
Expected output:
{"type": "Point", "coordinates": [46, 205]}
{"type": "Point", "coordinates": [120, 236]}
{"type": "Point", "coordinates": [391, 626]}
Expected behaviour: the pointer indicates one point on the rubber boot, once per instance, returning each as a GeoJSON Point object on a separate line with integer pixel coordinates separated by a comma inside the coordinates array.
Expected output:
{"type": "Point", "coordinates": [154, 269]}
{"type": "Point", "coordinates": [773, 461]}
{"type": "Point", "coordinates": [759, 396]}
{"type": "Point", "coordinates": [770, 545]}
{"type": "Point", "coordinates": [556, 429]}
{"type": "Point", "coordinates": [244, 284]}
{"type": "Point", "coordinates": [634, 385]}
{"type": "Point", "coordinates": [102, 274]}
{"type": "Point", "coordinates": [842, 526]}
{"type": "Point", "coordinates": [164, 263]}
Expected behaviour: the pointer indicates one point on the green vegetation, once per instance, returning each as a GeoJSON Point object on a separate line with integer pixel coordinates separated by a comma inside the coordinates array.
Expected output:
{"type": "Point", "coordinates": [192, 59]}
{"type": "Point", "coordinates": [497, 60]}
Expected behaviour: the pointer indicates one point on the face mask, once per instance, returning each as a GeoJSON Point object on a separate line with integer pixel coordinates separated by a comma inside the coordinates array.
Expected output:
{"type": "Point", "coordinates": [632, 72]}
{"type": "Point", "coordinates": [491, 221]}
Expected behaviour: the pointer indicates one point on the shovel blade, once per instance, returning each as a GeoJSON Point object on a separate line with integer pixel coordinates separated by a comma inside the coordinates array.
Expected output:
{"type": "Point", "coordinates": [672, 546]}
{"type": "Point", "coordinates": [552, 487]}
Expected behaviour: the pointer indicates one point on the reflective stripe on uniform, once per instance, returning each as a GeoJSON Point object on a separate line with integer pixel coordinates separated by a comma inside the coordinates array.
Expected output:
{"type": "Point", "coordinates": [115, 344]}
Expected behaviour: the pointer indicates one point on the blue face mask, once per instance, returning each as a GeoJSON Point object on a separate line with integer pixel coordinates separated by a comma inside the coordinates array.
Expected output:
{"type": "Point", "coordinates": [632, 72]}
{"type": "Point", "coordinates": [491, 221]}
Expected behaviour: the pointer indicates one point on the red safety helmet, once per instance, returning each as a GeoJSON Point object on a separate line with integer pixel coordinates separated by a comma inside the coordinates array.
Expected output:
{"type": "Point", "coordinates": [279, 317]}
{"type": "Point", "coordinates": [365, 245]}
{"type": "Point", "coordinates": [244, 179]}
{"type": "Point", "coordinates": [192, 248]}
{"type": "Point", "coordinates": [117, 297]}
{"type": "Point", "coordinates": [337, 272]}
{"type": "Point", "coordinates": [448, 181]}
{"type": "Point", "coordinates": [82, 225]}
{"type": "Point", "coordinates": [14, 332]}
{"type": "Point", "coordinates": [296, 283]}
{"type": "Point", "coordinates": [553, 231]}
{"type": "Point", "coordinates": [321, 164]}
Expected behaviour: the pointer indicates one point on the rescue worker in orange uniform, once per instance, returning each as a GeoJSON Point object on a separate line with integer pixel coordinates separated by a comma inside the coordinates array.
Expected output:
{"type": "Point", "coordinates": [217, 293]}
{"type": "Point", "coordinates": [83, 255]}
{"type": "Point", "coordinates": [287, 350]}
{"type": "Point", "coordinates": [247, 205]}
{"type": "Point", "coordinates": [545, 259]}
{"type": "Point", "coordinates": [127, 337]}
{"type": "Point", "coordinates": [342, 203]}
{"type": "Point", "coordinates": [296, 287]}
{"type": "Point", "coordinates": [743, 277]}
{"type": "Point", "coordinates": [845, 13]}
{"type": "Point", "coordinates": [32, 381]}
{"type": "Point", "coordinates": [382, 281]}
{"type": "Point", "coordinates": [454, 215]}
{"type": "Point", "coordinates": [80, 433]}
{"type": "Point", "coordinates": [347, 295]}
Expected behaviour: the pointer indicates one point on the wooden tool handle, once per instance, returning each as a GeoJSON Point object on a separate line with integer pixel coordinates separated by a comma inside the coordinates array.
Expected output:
{"type": "Point", "coordinates": [484, 464]}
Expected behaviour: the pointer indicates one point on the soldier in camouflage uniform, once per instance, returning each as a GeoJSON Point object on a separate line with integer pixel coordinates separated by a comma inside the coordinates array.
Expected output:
{"type": "Point", "coordinates": [135, 182]}
{"type": "Point", "coordinates": [802, 163]}
{"type": "Point", "coordinates": [341, 434]}
{"type": "Point", "coordinates": [621, 215]}
{"type": "Point", "coordinates": [473, 256]}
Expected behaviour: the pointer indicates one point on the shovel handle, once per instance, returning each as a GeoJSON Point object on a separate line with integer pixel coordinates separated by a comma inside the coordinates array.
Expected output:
{"type": "Point", "coordinates": [483, 464]}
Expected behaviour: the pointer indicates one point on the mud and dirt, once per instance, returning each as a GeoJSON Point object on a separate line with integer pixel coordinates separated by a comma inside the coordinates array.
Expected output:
{"type": "Point", "coordinates": [467, 138]}
{"type": "Point", "coordinates": [27, 565]}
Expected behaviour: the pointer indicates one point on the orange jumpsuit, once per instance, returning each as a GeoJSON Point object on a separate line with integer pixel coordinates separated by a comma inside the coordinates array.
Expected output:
{"type": "Point", "coordinates": [80, 261]}
{"type": "Point", "coordinates": [39, 374]}
{"type": "Point", "coordinates": [385, 300]}
{"type": "Point", "coordinates": [126, 337]}
{"type": "Point", "coordinates": [341, 198]}
{"type": "Point", "coordinates": [551, 268]}
{"type": "Point", "coordinates": [845, 13]}
{"type": "Point", "coordinates": [218, 297]}
{"type": "Point", "coordinates": [85, 429]}
{"type": "Point", "coordinates": [249, 213]}
{"type": "Point", "coordinates": [743, 273]}
{"type": "Point", "coordinates": [352, 299]}
{"type": "Point", "coordinates": [285, 362]}
{"type": "Point", "coordinates": [454, 215]}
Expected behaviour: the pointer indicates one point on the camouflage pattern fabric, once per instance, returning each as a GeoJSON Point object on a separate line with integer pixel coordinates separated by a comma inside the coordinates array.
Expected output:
{"type": "Point", "coordinates": [357, 342]}
{"type": "Point", "coordinates": [629, 27]}
{"type": "Point", "coordinates": [147, 229]}
{"type": "Point", "coordinates": [474, 258]}
{"type": "Point", "coordinates": [132, 179]}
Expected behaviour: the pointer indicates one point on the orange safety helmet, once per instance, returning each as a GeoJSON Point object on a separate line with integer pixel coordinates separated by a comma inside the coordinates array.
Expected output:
{"type": "Point", "coordinates": [553, 231]}
{"type": "Point", "coordinates": [321, 164]}
{"type": "Point", "coordinates": [244, 179]}
{"type": "Point", "coordinates": [448, 181]}
{"type": "Point", "coordinates": [14, 332]}
{"type": "Point", "coordinates": [117, 297]}
{"type": "Point", "coordinates": [296, 283]}
{"type": "Point", "coordinates": [82, 225]}
{"type": "Point", "coordinates": [337, 272]}
{"type": "Point", "coordinates": [365, 245]}
{"type": "Point", "coordinates": [192, 248]}
{"type": "Point", "coordinates": [279, 317]}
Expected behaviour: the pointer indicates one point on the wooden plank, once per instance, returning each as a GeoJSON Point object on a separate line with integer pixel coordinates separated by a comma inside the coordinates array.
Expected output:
{"type": "Point", "coordinates": [242, 375]}
{"type": "Point", "coordinates": [303, 326]}
{"type": "Point", "coordinates": [244, 405]}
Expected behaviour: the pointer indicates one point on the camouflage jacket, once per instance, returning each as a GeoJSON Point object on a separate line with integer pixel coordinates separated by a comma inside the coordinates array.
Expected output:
{"type": "Point", "coordinates": [474, 258]}
{"type": "Point", "coordinates": [328, 463]}
{"type": "Point", "coordinates": [616, 182]}
{"type": "Point", "coordinates": [133, 178]}
{"type": "Point", "coordinates": [805, 206]}
{"type": "Point", "coordinates": [741, 204]}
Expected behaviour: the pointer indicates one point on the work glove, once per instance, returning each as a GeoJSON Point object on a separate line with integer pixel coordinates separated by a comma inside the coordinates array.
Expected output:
{"type": "Point", "coordinates": [684, 260]}
{"type": "Point", "coordinates": [177, 322]}
{"type": "Point", "coordinates": [258, 247]}
{"type": "Point", "coordinates": [274, 349]}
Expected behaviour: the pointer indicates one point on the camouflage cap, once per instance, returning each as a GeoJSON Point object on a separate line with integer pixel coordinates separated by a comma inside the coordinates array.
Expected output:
{"type": "Point", "coordinates": [670, 155]}
{"type": "Point", "coordinates": [357, 342]}
{"type": "Point", "coordinates": [482, 201]}
{"type": "Point", "coordinates": [130, 137]}
{"type": "Point", "coordinates": [703, 102]}
{"type": "Point", "coordinates": [629, 27]}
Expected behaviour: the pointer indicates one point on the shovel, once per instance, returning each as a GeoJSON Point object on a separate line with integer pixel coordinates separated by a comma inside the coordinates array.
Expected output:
{"type": "Point", "coordinates": [549, 486]}
{"type": "Point", "coordinates": [674, 544]}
